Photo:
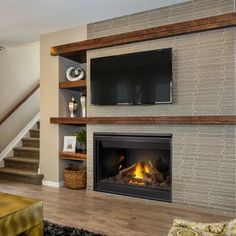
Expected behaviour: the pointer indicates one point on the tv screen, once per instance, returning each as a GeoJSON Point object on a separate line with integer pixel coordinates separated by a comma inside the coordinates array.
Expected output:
{"type": "Point", "coordinates": [132, 79]}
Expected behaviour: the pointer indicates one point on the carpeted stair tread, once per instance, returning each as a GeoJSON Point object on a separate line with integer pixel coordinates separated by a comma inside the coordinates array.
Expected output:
{"type": "Point", "coordinates": [21, 175]}
{"type": "Point", "coordinates": [34, 130]}
{"type": "Point", "coordinates": [22, 160]}
{"type": "Point", "coordinates": [37, 130]}
{"type": "Point", "coordinates": [34, 133]}
{"type": "Point", "coordinates": [30, 142]}
{"type": "Point", "coordinates": [30, 149]}
{"type": "Point", "coordinates": [31, 139]}
{"type": "Point", "coordinates": [21, 172]}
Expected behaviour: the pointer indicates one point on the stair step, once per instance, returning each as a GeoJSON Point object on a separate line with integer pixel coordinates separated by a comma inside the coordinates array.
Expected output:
{"type": "Point", "coordinates": [23, 160]}
{"type": "Point", "coordinates": [23, 166]}
{"type": "Point", "coordinates": [26, 152]}
{"type": "Point", "coordinates": [27, 149]}
{"type": "Point", "coordinates": [21, 175]}
{"type": "Point", "coordinates": [17, 171]}
{"type": "Point", "coordinates": [25, 163]}
{"type": "Point", "coordinates": [30, 142]}
{"type": "Point", "coordinates": [34, 133]}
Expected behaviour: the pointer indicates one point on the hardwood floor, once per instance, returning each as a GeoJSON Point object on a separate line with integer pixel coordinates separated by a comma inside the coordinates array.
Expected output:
{"type": "Point", "coordinates": [108, 215]}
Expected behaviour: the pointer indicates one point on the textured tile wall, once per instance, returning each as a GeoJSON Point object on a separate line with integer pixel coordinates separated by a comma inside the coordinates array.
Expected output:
{"type": "Point", "coordinates": [203, 75]}
{"type": "Point", "coordinates": [181, 12]}
{"type": "Point", "coordinates": [204, 84]}
{"type": "Point", "coordinates": [203, 162]}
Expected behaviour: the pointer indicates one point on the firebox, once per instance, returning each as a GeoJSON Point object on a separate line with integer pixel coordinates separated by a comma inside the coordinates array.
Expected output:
{"type": "Point", "coordinates": [135, 165]}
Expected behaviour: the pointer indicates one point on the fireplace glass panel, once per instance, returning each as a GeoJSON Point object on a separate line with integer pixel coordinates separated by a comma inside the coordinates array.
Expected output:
{"type": "Point", "coordinates": [134, 165]}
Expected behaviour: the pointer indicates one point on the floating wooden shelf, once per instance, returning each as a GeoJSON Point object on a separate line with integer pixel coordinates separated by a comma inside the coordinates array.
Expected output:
{"type": "Point", "coordinates": [216, 120]}
{"type": "Point", "coordinates": [68, 120]}
{"type": "Point", "coordinates": [77, 51]}
{"type": "Point", "coordinates": [72, 156]}
{"type": "Point", "coordinates": [75, 85]}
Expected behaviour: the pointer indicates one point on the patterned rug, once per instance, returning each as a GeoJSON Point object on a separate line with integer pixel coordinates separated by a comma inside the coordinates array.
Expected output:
{"type": "Point", "coordinates": [51, 229]}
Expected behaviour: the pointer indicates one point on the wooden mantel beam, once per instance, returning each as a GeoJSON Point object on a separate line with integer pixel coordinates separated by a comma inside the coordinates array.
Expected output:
{"type": "Point", "coordinates": [204, 120]}
{"type": "Point", "coordinates": [192, 26]}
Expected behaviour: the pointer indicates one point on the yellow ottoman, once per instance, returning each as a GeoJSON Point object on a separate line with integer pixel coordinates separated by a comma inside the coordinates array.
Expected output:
{"type": "Point", "coordinates": [20, 215]}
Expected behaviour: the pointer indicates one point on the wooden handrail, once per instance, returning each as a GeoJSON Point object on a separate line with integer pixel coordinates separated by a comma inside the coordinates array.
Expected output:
{"type": "Point", "coordinates": [9, 113]}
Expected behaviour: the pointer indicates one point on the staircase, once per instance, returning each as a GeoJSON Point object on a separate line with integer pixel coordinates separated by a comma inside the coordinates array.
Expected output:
{"type": "Point", "coordinates": [23, 166]}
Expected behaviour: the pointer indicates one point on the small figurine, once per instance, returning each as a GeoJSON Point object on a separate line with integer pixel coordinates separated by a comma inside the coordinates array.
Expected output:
{"type": "Point", "coordinates": [73, 107]}
{"type": "Point", "coordinates": [83, 104]}
{"type": "Point", "coordinates": [75, 74]}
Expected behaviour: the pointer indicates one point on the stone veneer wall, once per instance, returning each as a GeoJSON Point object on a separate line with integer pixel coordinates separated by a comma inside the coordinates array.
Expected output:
{"type": "Point", "coordinates": [204, 84]}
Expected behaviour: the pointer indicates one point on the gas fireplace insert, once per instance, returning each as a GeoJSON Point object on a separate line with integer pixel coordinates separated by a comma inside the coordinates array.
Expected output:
{"type": "Point", "coordinates": [137, 165]}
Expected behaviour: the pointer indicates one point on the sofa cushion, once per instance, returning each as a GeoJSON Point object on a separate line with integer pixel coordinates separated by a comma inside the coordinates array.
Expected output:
{"type": "Point", "coordinates": [188, 228]}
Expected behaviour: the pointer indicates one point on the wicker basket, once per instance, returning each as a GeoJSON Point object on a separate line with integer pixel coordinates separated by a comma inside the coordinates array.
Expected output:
{"type": "Point", "coordinates": [75, 177]}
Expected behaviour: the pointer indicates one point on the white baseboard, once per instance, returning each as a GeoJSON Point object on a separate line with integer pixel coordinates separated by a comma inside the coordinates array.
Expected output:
{"type": "Point", "coordinates": [8, 150]}
{"type": "Point", "coordinates": [53, 183]}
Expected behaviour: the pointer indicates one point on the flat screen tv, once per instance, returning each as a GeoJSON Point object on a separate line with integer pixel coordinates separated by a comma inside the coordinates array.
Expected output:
{"type": "Point", "coordinates": [132, 79]}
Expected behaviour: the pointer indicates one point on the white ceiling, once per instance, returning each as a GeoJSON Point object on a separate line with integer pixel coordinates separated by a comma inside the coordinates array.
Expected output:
{"type": "Point", "coordinates": [22, 21]}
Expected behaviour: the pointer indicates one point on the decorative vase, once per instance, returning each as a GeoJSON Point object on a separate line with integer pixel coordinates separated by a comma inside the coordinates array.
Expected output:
{"type": "Point", "coordinates": [83, 104]}
{"type": "Point", "coordinates": [83, 147]}
{"type": "Point", "coordinates": [73, 107]}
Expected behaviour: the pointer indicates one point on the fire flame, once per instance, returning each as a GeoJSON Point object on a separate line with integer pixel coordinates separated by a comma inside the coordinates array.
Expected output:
{"type": "Point", "coordinates": [147, 168]}
{"type": "Point", "coordinates": [138, 172]}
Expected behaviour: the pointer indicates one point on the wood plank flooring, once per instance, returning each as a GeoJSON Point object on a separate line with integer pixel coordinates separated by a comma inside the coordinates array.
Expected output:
{"type": "Point", "coordinates": [106, 214]}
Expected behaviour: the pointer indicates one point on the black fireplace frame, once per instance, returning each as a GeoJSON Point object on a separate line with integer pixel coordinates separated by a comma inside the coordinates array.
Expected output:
{"type": "Point", "coordinates": [130, 190]}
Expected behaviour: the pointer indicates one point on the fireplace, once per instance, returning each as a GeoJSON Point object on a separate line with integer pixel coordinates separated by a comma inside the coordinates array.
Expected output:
{"type": "Point", "coordinates": [133, 165]}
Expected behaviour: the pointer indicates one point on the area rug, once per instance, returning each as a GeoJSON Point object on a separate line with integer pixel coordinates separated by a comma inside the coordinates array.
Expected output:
{"type": "Point", "coordinates": [51, 229]}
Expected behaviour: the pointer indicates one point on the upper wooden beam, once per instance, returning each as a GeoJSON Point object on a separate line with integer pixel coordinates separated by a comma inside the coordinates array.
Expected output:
{"type": "Point", "coordinates": [77, 51]}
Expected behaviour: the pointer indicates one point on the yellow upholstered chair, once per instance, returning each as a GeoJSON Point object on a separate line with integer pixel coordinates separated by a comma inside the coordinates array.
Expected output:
{"type": "Point", "coordinates": [20, 215]}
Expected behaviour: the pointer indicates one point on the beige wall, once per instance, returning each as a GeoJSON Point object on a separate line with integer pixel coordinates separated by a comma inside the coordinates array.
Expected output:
{"type": "Point", "coordinates": [19, 72]}
{"type": "Point", "coordinates": [50, 165]}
